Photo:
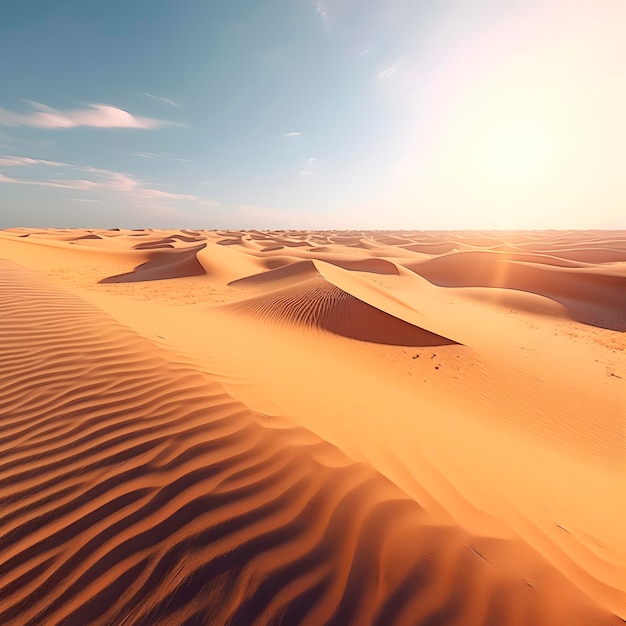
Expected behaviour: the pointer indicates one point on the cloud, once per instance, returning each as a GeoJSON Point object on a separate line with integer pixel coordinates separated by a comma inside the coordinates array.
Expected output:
{"type": "Point", "coordinates": [93, 179]}
{"type": "Point", "coordinates": [388, 71]}
{"type": "Point", "coordinates": [94, 116]}
{"type": "Point", "coordinates": [292, 134]}
{"type": "Point", "coordinates": [81, 185]}
{"type": "Point", "coordinates": [161, 99]}
{"type": "Point", "coordinates": [157, 193]}
{"type": "Point", "coordinates": [158, 155]}
{"type": "Point", "coordinates": [322, 10]}
{"type": "Point", "coordinates": [213, 203]}
{"type": "Point", "coordinates": [12, 161]}
{"type": "Point", "coordinates": [365, 52]}
{"type": "Point", "coordinates": [309, 168]}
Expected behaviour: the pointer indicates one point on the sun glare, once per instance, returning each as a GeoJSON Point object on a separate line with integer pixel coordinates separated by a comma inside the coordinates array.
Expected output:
{"type": "Point", "coordinates": [516, 151]}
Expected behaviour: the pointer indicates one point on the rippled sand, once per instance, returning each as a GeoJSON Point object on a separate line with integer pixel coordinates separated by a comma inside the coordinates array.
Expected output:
{"type": "Point", "coordinates": [302, 427]}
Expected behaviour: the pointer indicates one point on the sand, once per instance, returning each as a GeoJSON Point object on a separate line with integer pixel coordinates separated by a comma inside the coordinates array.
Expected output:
{"type": "Point", "coordinates": [302, 427]}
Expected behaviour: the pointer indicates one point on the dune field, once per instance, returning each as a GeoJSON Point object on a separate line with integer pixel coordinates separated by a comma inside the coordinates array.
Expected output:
{"type": "Point", "coordinates": [306, 427]}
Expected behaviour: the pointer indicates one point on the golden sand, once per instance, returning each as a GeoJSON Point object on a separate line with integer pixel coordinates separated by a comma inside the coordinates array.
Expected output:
{"type": "Point", "coordinates": [292, 427]}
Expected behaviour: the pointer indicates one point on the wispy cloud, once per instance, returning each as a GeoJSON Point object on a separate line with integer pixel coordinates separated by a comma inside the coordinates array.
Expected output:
{"type": "Point", "coordinates": [167, 195]}
{"type": "Point", "coordinates": [161, 99]}
{"type": "Point", "coordinates": [82, 185]}
{"type": "Point", "coordinates": [365, 52]}
{"type": "Point", "coordinates": [86, 200]}
{"type": "Point", "coordinates": [322, 10]}
{"type": "Point", "coordinates": [94, 116]}
{"type": "Point", "coordinates": [16, 161]}
{"type": "Point", "coordinates": [388, 71]}
{"type": "Point", "coordinates": [292, 134]}
{"type": "Point", "coordinates": [93, 179]}
{"type": "Point", "coordinates": [159, 155]}
{"type": "Point", "coordinates": [309, 168]}
{"type": "Point", "coordinates": [205, 202]}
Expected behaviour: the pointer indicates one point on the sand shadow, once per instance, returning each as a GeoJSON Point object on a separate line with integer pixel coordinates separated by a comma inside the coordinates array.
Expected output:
{"type": "Point", "coordinates": [163, 266]}
{"type": "Point", "coordinates": [589, 297]}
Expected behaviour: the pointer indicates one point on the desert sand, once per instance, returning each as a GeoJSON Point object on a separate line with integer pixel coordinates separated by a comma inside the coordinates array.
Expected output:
{"type": "Point", "coordinates": [302, 427]}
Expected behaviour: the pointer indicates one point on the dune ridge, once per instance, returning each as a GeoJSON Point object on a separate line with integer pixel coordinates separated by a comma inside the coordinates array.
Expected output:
{"type": "Point", "coordinates": [317, 302]}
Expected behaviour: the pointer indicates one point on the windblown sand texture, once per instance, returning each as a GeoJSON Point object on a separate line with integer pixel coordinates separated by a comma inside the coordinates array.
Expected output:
{"type": "Point", "coordinates": [422, 428]}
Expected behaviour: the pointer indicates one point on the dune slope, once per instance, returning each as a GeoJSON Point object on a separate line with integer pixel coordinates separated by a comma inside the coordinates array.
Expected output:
{"type": "Point", "coordinates": [443, 444]}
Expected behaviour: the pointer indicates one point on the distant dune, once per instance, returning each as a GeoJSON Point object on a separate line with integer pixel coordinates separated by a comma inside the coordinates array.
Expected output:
{"type": "Point", "coordinates": [305, 427]}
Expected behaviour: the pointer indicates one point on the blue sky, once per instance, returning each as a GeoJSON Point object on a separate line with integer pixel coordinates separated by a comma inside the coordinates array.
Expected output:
{"type": "Point", "coordinates": [313, 114]}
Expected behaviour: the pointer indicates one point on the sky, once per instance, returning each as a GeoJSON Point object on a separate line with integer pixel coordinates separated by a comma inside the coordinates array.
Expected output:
{"type": "Point", "coordinates": [306, 114]}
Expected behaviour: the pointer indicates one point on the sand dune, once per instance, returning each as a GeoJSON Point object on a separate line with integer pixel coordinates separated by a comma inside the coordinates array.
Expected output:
{"type": "Point", "coordinates": [202, 427]}
{"type": "Point", "coordinates": [320, 304]}
{"type": "Point", "coordinates": [593, 295]}
{"type": "Point", "coordinates": [163, 265]}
